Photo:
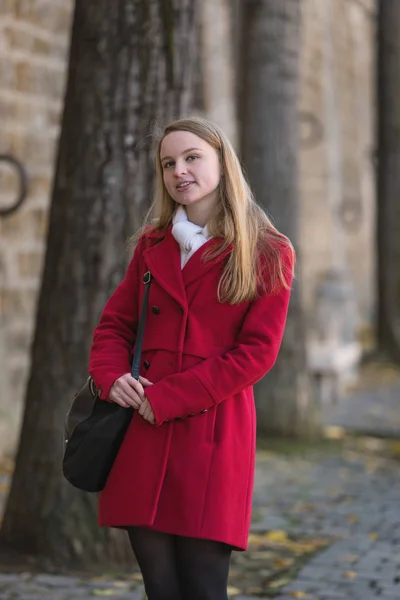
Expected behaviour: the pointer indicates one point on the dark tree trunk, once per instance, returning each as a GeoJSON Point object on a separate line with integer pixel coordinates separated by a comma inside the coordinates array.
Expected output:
{"type": "Point", "coordinates": [269, 107]}
{"type": "Point", "coordinates": [131, 63]}
{"type": "Point", "coordinates": [389, 178]}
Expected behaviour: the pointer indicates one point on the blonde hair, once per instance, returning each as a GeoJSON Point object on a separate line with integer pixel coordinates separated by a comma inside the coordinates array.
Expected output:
{"type": "Point", "coordinates": [237, 220]}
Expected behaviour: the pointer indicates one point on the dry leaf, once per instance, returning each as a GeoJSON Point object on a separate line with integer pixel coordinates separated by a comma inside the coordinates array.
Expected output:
{"type": "Point", "coordinates": [298, 594]}
{"type": "Point", "coordinates": [373, 536]}
{"type": "Point", "coordinates": [277, 583]}
{"type": "Point", "coordinates": [282, 563]}
{"type": "Point", "coordinates": [278, 536]}
{"type": "Point", "coordinates": [350, 574]}
{"type": "Point", "coordinates": [353, 519]}
{"type": "Point", "coordinates": [233, 591]}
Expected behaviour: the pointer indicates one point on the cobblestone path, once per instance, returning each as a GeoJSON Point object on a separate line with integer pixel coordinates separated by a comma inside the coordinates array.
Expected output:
{"type": "Point", "coordinates": [347, 495]}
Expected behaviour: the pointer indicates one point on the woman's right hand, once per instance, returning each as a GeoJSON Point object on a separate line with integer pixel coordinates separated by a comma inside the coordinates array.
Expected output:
{"type": "Point", "coordinates": [127, 391]}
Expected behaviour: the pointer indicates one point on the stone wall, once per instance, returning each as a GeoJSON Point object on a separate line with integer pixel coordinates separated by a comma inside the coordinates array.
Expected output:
{"type": "Point", "coordinates": [336, 105]}
{"type": "Point", "coordinates": [337, 171]}
{"type": "Point", "coordinates": [34, 37]}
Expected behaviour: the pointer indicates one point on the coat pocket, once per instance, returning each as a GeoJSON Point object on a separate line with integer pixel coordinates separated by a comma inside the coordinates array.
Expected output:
{"type": "Point", "coordinates": [210, 417]}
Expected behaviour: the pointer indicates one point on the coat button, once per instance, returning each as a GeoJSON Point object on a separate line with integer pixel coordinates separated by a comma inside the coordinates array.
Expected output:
{"type": "Point", "coordinates": [191, 415]}
{"type": "Point", "coordinates": [203, 411]}
{"type": "Point", "coordinates": [156, 310]}
{"type": "Point", "coordinates": [167, 421]}
{"type": "Point", "coordinates": [146, 364]}
{"type": "Point", "coordinates": [178, 418]}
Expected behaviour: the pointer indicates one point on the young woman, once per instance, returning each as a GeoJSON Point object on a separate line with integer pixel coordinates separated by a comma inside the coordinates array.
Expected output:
{"type": "Point", "coordinates": [221, 274]}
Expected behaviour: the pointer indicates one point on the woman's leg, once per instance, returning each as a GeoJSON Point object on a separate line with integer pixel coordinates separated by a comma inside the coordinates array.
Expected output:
{"type": "Point", "coordinates": [155, 553]}
{"type": "Point", "coordinates": [203, 567]}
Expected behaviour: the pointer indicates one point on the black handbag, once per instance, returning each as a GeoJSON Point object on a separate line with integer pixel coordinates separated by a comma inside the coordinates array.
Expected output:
{"type": "Point", "coordinates": [94, 428]}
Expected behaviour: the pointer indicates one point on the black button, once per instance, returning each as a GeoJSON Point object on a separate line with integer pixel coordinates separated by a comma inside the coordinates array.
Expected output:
{"type": "Point", "coordinates": [146, 364]}
{"type": "Point", "coordinates": [167, 421]}
{"type": "Point", "coordinates": [203, 411]}
{"type": "Point", "coordinates": [178, 418]}
{"type": "Point", "coordinates": [156, 310]}
{"type": "Point", "coordinates": [191, 415]}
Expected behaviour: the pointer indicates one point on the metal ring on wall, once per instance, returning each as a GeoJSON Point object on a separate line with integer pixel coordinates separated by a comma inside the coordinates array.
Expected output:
{"type": "Point", "coordinates": [22, 180]}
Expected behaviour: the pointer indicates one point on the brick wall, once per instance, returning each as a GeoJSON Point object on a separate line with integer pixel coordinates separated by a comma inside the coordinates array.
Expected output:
{"type": "Point", "coordinates": [34, 37]}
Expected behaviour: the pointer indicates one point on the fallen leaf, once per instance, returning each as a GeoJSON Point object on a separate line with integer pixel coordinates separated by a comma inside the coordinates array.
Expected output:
{"type": "Point", "coordinates": [298, 594]}
{"type": "Point", "coordinates": [278, 536]}
{"type": "Point", "coordinates": [350, 574]}
{"type": "Point", "coordinates": [282, 563]}
{"type": "Point", "coordinates": [373, 536]}
{"type": "Point", "coordinates": [352, 519]}
{"type": "Point", "coordinates": [277, 583]}
{"type": "Point", "coordinates": [106, 592]}
{"type": "Point", "coordinates": [233, 591]}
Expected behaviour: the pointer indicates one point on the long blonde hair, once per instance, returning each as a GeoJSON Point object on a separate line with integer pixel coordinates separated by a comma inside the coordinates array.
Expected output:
{"type": "Point", "coordinates": [237, 220]}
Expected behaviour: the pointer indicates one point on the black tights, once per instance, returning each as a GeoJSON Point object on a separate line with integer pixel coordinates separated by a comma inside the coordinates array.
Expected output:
{"type": "Point", "coordinates": [180, 568]}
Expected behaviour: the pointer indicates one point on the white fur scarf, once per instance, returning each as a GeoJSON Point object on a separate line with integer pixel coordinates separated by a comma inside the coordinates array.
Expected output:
{"type": "Point", "coordinates": [189, 236]}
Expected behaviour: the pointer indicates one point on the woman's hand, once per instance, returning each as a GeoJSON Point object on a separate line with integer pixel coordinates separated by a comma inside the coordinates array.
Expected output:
{"type": "Point", "coordinates": [127, 391]}
{"type": "Point", "coordinates": [147, 412]}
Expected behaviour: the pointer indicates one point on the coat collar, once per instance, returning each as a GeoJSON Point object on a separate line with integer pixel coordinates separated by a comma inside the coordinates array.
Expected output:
{"type": "Point", "coordinates": [164, 262]}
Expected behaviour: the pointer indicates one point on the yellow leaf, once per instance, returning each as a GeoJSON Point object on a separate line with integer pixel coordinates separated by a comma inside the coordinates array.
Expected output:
{"type": "Point", "coordinates": [106, 592]}
{"type": "Point", "coordinates": [334, 433]}
{"type": "Point", "coordinates": [282, 563]}
{"type": "Point", "coordinates": [278, 536]}
{"type": "Point", "coordinates": [350, 574]}
{"type": "Point", "coordinates": [298, 594]}
{"type": "Point", "coordinates": [352, 519]}
{"type": "Point", "coordinates": [373, 536]}
{"type": "Point", "coordinates": [232, 591]}
{"type": "Point", "coordinates": [277, 583]}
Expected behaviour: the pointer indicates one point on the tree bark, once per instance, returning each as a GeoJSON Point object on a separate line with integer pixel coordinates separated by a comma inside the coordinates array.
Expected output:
{"type": "Point", "coordinates": [388, 180]}
{"type": "Point", "coordinates": [270, 145]}
{"type": "Point", "coordinates": [131, 63]}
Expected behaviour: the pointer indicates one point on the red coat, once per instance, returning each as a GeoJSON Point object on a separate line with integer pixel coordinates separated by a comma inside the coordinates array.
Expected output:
{"type": "Point", "coordinates": [192, 473]}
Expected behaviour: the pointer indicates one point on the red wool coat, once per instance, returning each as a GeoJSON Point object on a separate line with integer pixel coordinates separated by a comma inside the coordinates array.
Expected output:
{"type": "Point", "coordinates": [192, 473]}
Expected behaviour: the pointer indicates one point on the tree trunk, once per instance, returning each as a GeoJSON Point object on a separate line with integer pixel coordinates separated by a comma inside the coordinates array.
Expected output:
{"type": "Point", "coordinates": [389, 178]}
{"type": "Point", "coordinates": [269, 107]}
{"type": "Point", "coordinates": [131, 63]}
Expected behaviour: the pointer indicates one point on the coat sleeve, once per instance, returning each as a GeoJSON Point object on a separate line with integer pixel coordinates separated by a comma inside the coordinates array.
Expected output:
{"type": "Point", "coordinates": [217, 378]}
{"type": "Point", "coordinates": [114, 337]}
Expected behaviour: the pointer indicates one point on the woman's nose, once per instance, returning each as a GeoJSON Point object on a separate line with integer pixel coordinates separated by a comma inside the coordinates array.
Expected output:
{"type": "Point", "coordinates": [180, 168]}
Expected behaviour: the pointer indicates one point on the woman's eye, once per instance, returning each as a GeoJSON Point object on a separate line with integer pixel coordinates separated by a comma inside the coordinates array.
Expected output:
{"type": "Point", "coordinates": [168, 164]}
{"type": "Point", "coordinates": [192, 157]}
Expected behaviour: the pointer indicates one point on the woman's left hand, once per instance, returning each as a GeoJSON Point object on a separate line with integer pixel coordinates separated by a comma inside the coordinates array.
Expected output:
{"type": "Point", "coordinates": [147, 412]}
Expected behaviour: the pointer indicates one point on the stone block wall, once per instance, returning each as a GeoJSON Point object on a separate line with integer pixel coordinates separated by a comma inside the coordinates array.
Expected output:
{"type": "Point", "coordinates": [337, 170]}
{"type": "Point", "coordinates": [34, 38]}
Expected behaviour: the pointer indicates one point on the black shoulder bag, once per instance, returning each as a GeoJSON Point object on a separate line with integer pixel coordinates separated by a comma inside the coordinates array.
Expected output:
{"type": "Point", "coordinates": [94, 428]}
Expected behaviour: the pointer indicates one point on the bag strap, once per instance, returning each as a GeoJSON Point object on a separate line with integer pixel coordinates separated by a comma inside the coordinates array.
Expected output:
{"type": "Point", "coordinates": [140, 330]}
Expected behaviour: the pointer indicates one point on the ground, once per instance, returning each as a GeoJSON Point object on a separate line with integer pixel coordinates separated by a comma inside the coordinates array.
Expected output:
{"type": "Point", "coordinates": [326, 520]}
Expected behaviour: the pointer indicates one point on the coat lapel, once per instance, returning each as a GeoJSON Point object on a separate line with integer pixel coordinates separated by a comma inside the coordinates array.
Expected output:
{"type": "Point", "coordinates": [197, 267]}
{"type": "Point", "coordinates": [164, 262]}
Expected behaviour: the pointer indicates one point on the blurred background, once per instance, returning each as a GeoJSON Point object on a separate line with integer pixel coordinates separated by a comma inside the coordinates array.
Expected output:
{"type": "Point", "coordinates": [307, 90]}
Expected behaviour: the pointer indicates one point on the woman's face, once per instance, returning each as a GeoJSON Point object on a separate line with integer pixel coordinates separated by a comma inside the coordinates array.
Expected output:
{"type": "Point", "coordinates": [191, 169]}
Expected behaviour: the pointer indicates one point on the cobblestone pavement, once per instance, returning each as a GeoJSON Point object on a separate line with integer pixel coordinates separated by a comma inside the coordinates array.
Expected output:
{"type": "Point", "coordinates": [348, 494]}
{"type": "Point", "coordinates": [373, 411]}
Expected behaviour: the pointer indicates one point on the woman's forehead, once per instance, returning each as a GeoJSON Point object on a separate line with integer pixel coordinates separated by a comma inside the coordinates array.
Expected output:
{"type": "Point", "coordinates": [178, 142]}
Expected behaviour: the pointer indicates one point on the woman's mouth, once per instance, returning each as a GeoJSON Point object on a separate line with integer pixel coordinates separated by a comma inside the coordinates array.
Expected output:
{"type": "Point", "coordinates": [184, 185]}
